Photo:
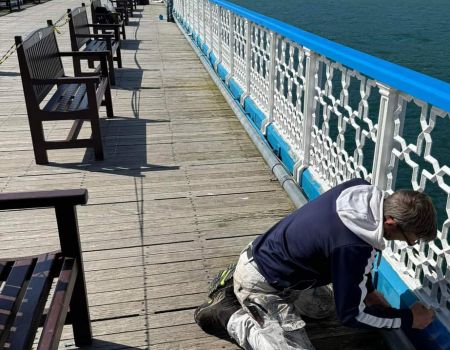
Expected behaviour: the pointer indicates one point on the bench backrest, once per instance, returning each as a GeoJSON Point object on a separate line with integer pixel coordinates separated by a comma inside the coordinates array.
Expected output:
{"type": "Point", "coordinates": [95, 6]}
{"type": "Point", "coordinates": [78, 24]}
{"type": "Point", "coordinates": [39, 58]}
{"type": "Point", "coordinates": [102, 12]}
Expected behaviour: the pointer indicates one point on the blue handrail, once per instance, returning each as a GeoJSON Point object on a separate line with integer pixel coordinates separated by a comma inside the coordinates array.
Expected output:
{"type": "Point", "coordinates": [431, 90]}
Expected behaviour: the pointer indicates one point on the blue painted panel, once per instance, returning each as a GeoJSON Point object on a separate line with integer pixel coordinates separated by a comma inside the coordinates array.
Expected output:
{"type": "Point", "coordinates": [222, 72]}
{"type": "Point", "coordinates": [235, 89]}
{"type": "Point", "coordinates": [310, 186]}
{"type": "Point", "coordinates": [212, 59]}
{"type": "Point", "coordinates": [205, 49]}
{"type": "Point", "coordinates": [396, 292]}
{"type": "Point", "coordinates": [254, 112]}
{"type": "Point", "coordinates": [419, 85]}
{"type": "Point", "coordinates": [280, 147]}
{"type": "Point", "coordinates": [199, 41]}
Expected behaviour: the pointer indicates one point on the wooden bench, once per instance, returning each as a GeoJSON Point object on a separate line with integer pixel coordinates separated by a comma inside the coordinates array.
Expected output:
{"type": "Point", "coordinates": [103, 12]}
{"type": "Point", "coordinates": [125, 4]}
{"type": "Point", "coordinates": [83, 40]}
{"type": "Point", "coordinates": [66, 98]}
{"type": "Point", "coordinates": [27, 281]}
{"type": "Point", "coordinates": [10, 4]}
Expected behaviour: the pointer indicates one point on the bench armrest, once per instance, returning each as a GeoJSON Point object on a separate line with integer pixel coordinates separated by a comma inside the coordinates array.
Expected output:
{"type": "Point", "coordinates": [85, 54]}
{"type": "Point", "coordinates": [114, 26]}
{"type": "Point", "coordinates": [105, 25]}
{"type": "Point", "coordinates": [106, 36]}
{"type": "Point", "coordinates": [95, 55]}
{"type": "Point", "coordinates": [67, 80]}
{"type": "Point", "coordinates": [41, 199]}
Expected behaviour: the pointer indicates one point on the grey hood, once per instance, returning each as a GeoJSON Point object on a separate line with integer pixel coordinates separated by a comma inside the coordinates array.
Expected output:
{"type": "Point", "coordinates": [360, 208]}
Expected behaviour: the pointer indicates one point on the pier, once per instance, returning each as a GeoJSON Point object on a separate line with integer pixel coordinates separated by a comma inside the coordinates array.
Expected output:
{"type": "Point", "coordinates": [182, 188]}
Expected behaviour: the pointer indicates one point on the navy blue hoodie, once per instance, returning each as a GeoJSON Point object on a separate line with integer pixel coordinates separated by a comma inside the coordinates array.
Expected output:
{"type": "Point", "coordinates": [332, 239]}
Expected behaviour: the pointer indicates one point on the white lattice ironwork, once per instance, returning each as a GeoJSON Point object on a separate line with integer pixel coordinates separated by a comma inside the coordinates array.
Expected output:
{"type": "Point", "coordinates": [426, 268]}
{"type": "Point", "coordinates": [340, 128]}
{"type": "Point", "coordinates": [260, 65]}
{"type": "Point", "coordinates": [207, 22]}
{"type": "Point", "coordinates": [225, 38]}
{"type": "Point", "coordinates": [239, 51]}
{"type": "Point", "coordinates": [215, 29]}
{"type": "Point", "coordinates": [289, 91]}
{"type": "Point", "coordinates": [201, 18]}
{"type": "Point", "coordinates": [341, 124]}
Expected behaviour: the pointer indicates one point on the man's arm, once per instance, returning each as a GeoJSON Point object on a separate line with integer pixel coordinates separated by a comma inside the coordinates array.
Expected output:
{"type": "Point", "coordinates": [351, 266]}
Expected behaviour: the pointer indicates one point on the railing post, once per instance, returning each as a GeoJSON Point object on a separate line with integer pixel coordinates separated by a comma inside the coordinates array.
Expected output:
{"type": "Point", "coordinates": [385, 137]}
{"type": "Point", "coordinates": [248, 59]}
{"type": "Point", "coordinates": [191, 9]}
{"type": "Point", "coordinates": [271, 76]}
{"type": "Point", "coordinates": [211, 30]}
{"type": "Point", "coordinates": [196, 21]}
{"type": "Point", "coordinates": [308, 107]}
{"type": "Point", "coordinates": [219, 34]}
{"type": "Point", "coordinates": [231, 33]}
{"type": "Point", "coordinates": [204, 21]}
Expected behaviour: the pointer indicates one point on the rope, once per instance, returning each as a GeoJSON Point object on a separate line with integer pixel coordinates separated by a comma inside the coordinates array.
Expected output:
{"type": "Point", "coordinates": [8, 53]}
{"type": "Point", "coordinates": [60, 22]}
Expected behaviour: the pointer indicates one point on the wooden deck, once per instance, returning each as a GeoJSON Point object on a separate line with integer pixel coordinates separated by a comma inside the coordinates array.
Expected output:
{"type": "Point", "coordinates": [181, 191]}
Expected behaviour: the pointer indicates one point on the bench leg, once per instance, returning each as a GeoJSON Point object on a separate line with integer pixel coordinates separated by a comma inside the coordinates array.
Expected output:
{"type": "Point", "coordinates": [108, 102]}
{"type": "Point", "coordinates": [79, 313]}
{"type": "Point", "coordinates": [66, 218]}
{"type": "Point", "coordinates": [119, 57]}
{"type": "Point", "coordinates": [112, 75]}
{"type": "Point", "coordinates": [76, 66]}
{"type": "Point", "coordinates": [97, 138]}
{"type": "Point", "coordinates": [124, 35]}
{"type": "Point", "coordinates": [37, 138]}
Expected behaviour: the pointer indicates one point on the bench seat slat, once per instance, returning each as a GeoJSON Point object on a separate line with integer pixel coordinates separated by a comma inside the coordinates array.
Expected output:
{"type": "Point", "coordinates": [96, 45]}
{"type": "Point", "coordinates": [51, 332]}
{"type": "Point", "coordinates": [12, 294]}
{"type": "Point", "coordinates": [68, 98]}
{"type": "Point", "coordinates": [27, 319]}
{"type": "Point", "coordinates": [100, 45]}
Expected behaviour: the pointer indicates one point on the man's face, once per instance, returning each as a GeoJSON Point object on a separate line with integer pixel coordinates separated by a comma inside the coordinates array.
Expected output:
{"type": "Point", "coordinates": [393, 232]}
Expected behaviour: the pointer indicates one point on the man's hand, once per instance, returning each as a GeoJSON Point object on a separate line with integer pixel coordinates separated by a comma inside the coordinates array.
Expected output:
{"type": "Point", "coordinates": [422, 316]}
{"type": "Point", "coordinates": [376, 298]}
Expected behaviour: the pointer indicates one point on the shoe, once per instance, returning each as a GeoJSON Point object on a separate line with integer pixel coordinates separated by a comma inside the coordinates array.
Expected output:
{"type": "Point", "coordinates": [213, 316]}
{"type": "Point", "coordinates": [222, 279]}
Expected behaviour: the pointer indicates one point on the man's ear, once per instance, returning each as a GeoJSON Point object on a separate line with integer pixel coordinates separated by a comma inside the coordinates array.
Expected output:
{"type": "Point", "coordinates": [389, 220]}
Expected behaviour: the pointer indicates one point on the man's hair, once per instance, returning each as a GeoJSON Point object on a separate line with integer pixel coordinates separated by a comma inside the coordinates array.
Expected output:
{"type": "Point", "coordinates": [413, 212]}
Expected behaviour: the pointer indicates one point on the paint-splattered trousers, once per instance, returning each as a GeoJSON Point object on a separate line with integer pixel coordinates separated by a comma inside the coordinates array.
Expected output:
{"type": "Point", "coordinates": [270, 319]}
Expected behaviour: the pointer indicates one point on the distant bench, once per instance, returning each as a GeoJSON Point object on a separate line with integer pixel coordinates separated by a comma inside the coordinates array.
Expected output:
{"type": "Point", "coordinates": [10, 4]}
{"type": "Point", "coordinates": [15, 3]}
{"type": "Point", "coordinates": [102, 13]}
{"type": "Point", "coordinates": [75, 98]}
{"type": "Point", "coordinates": [27, 281]}
{"type": "Point", "coordinates": [83, 40]}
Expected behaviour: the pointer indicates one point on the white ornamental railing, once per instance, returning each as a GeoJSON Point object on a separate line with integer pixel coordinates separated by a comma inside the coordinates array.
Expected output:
{"type": "Point", "coordinates": [344, 114]}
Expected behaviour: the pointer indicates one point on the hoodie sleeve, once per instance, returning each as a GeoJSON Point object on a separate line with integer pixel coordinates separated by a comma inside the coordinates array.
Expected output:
{"type": "Point", "coordinates": [350, 272]}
